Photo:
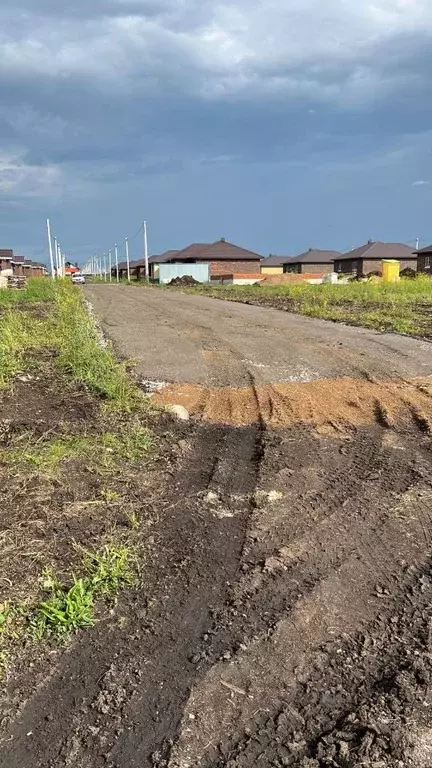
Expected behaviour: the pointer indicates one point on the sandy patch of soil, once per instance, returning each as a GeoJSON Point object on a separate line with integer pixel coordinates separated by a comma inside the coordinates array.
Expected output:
{"type": "Point", "coordinates": [329, 404]}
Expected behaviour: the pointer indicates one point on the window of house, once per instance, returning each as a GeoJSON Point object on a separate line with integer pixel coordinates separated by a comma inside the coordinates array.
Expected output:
{"type": "Point", "coordinates": [354, 267]}
{"type": "Point", "coordinates": [427, 262]}
{"type": "Point", "coordinates": [339, 267]}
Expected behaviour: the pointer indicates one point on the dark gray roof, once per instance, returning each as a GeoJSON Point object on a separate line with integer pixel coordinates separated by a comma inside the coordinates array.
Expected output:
{"type": "Point", "coordinates": [427, 249]}
{"type": "Point", "coordinates": [379, 251]}
{"type": "Point", "coordinates": [162, 258]}
{"type": "Point", "coordinates": [314, 256]}
{"type": "Point", "coordinates": [275, 261]}
{"type": "Point", "coordinates": [221, 250]}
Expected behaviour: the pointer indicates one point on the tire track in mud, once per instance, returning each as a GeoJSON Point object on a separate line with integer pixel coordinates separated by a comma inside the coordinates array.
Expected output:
{"type": "Point", "coordinates": [351, 534]}
{"type": "Point", "coordinates": [122, 689]}
{"type": "Point", "coordinates": [339, 605]}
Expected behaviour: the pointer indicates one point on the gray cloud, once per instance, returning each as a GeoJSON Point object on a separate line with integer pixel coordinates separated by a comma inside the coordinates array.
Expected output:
{"type": "Point", "coordinates": [99, 95]}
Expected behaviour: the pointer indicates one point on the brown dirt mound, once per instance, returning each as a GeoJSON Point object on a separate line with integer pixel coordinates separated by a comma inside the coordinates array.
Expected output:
{"type": "Point", "coordinates": [328, 404]}
{"type": "Point", "coordinates": [291, 278]}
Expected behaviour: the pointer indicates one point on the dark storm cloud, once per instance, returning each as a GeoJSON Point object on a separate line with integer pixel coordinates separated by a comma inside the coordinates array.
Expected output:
{"type": "Point", "coordinates": [96, 94]}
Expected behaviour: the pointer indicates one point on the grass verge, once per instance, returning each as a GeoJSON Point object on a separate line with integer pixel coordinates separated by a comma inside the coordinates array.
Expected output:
{"type": "Point", "coordinates": [403, 307]}
{"type": "Point", "coordinates": [102, 452]}
{"type": "Point", "coordinates": [75, 436]}
{"type": "Point", "coordinates": [67, 328]}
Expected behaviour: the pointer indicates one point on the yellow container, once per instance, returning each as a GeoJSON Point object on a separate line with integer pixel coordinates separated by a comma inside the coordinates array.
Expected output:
{"type": "Point", "coordinates": [390, 270]}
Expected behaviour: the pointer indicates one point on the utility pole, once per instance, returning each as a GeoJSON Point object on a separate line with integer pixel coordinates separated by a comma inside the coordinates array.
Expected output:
{"type": "Point", "coordinates": [146, 263]}
{"type": "Point", "coordinates": [116, 262]}
{"type": "Point", "coordinates": [50, 249]}
{"type": "Point", "coordinates": [127, 259]}
{"type": "Point", "coordinates": [56, 256]}
{"type": "Point", "coordinates": [61, 262]}
{"type": "Point", "coordinates": [417, 243]}
{"type": "Point", "coordinates": [110, 266]}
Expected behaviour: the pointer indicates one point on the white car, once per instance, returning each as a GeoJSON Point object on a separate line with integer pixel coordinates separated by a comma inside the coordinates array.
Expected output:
{"type": "Point", "coordinates": [77, 277]}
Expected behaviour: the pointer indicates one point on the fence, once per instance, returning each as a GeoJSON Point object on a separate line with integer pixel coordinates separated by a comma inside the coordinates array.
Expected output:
{"type": "Point", "coordinates": [200, 272]}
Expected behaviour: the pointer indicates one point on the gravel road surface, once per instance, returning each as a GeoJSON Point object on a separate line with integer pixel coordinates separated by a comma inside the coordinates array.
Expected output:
{"type": "Point", "coordinates": [176, 337]}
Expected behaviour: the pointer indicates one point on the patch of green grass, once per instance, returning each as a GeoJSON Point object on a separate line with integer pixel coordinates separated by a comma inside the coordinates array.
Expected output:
{"type": "Point", "coordinates": [67, 609]}
{"type": "Point", "coordinates": [39, 289]}
{"type": "Point", "coordinates": [403, 307]}
{"type": "Point", "coordinates": [64, 610]}
{"type": "Point", "coordinates": [110, 496]}
{"type": "Point", "coordinates": [83, 355]}
{"type": "Point", "coordinates": [101, 452]}
{"type": "Point", "coordinates": [69, 329]}
{"type": "Point", "coordinates": [19, 332]}
{"type": "Point", "coordinates": [108, 569]}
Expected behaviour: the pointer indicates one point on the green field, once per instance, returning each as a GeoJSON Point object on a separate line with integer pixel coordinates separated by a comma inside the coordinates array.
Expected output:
{"type": "Point", "coordinates": [404, 307]}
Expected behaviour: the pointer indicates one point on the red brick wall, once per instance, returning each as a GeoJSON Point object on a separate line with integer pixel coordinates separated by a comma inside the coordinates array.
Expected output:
{"type": "Point", "coordinates": [233, 267]}
{"type": "Point", "coordinates": [5, 264]}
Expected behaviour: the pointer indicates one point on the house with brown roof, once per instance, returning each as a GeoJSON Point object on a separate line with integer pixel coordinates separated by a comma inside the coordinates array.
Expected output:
{"type": "Point", "coordinates": [224, 258]}
{"type": "Point", "coordinates": [18, 265]}
{"type": "Point", "coordinates": [137, 267]}
{"type": "Point", "coordinates": [163, 258]}
{"type": "Point", "coordinates": [367, 258]}
{"type": "Point", "coordinates": [6, 257]}
{"type": "Point", "coordinates": [424, 260]}
{"type": "Point", "coordinates": [313, 262]}
{"type": "Point", "coordinates": [273, 265]}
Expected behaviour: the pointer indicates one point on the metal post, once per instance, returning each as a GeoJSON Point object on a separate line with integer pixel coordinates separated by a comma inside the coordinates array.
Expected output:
{"type": "Point", "coordinates": [116, 262]}
{"type": "Point", "coordinates": [146, 263]}
{"type": "Point", "coordinates": [50, 249]}
{"type": "Point", "coordinates": [110, 266]}
{"type": "Point", "coordinates": [127, 259]}
{"type": "Point", "coordinates": [105, 266]}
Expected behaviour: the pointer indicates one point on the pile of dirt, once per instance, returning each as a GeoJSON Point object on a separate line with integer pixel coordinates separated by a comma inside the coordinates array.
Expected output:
{"type": "Point", "coordinates": [184, 280]}
{"type": "Point", "coordinates": [290, 278]}
{"type": "Point", "coordinates": [330, 405]}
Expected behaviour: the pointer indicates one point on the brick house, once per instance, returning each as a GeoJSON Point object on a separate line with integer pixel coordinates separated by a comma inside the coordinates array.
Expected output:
{"type": "Point", "coordinates": [314, 261]}
{"type": "Point", "coordinates": [273, 265]}
{"type": "Point", "coordinates": [162, 258]}
{"type": "Point", "coordinates": [424, 260]}
{"type": "Point", "coordinates": [137, 267]}
{"type": "Point", "coordinates": [18, 265]}
{"type": "Point", "coordinates": [6, 257]}
{"type": "Point", "coordinates": [361, 261]}
{"type": "Point", "coordinates": [223, 258]}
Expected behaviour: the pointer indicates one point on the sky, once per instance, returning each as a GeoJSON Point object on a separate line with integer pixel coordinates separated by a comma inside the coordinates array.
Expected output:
{"type": "Point", "coordinates": [279, 125]}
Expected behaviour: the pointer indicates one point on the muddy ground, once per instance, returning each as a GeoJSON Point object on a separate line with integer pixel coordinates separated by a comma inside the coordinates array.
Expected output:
{"type": "Point", "coordinates": [283, 616]}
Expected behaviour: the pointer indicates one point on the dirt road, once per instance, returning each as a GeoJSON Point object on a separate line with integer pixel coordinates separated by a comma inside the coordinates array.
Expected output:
{"type": "Point", "coordinates": [286, 613]}
{"type": "Point", "coordinates": [175, 337]}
